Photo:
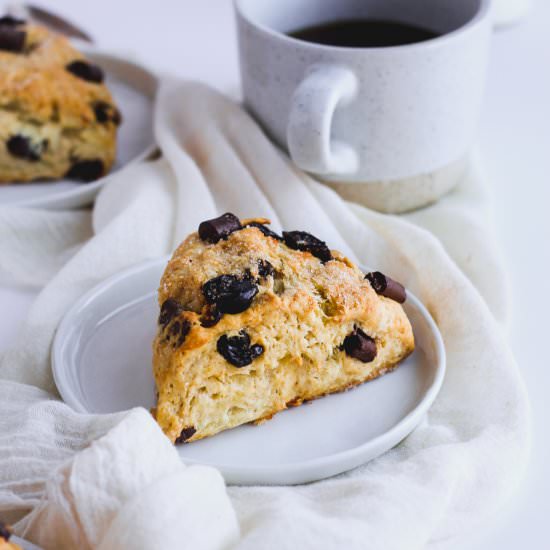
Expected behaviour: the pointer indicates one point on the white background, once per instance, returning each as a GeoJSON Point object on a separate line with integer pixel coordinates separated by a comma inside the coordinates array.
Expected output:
{"type": "Point", "coordinates": [196, 39]}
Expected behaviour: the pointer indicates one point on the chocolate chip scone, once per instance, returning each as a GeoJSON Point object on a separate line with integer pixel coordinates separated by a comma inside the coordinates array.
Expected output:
{"type": "Point", "coordinates": [5, 535]}
{"type": "Point", "coordinates": [252, 323]}
{"type": "Point", "coordinates": [57, 118]}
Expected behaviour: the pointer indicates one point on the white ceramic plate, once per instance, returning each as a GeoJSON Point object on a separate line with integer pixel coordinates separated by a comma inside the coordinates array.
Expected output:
{"type": "Point", "coordinates": [102, 363]}
{"type": "Point", "coordinates": [133, 88]}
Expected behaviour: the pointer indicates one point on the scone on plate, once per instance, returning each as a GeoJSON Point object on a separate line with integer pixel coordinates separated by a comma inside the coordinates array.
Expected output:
{"type": "Point", "coordinates": [57, 118]}
{"type": "Point", "coordinates": [5, 535]}
{"type": "Point", "coordinates": [252, 323]}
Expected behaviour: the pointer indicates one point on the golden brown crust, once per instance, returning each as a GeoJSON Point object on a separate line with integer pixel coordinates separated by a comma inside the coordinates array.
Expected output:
{"type": "Point", "coordinates": [56, 110]}
{"type": "Point", "coordinates": [300, 316]}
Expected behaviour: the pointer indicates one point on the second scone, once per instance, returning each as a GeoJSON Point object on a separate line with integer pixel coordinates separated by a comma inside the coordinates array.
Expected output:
{"type": "Point", "coordinates": [57, 117]}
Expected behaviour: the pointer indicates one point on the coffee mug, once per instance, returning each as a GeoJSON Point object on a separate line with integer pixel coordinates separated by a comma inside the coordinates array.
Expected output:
{"type": "Point", "coordinates": [387, 126]}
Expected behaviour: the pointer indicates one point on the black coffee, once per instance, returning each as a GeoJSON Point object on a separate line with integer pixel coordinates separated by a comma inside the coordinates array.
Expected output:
{"type": "Point", "coordinates": [364, 33]}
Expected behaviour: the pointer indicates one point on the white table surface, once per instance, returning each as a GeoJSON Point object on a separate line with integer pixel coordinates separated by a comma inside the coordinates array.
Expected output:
{"type": "Point", "coordinates": [197, 40]}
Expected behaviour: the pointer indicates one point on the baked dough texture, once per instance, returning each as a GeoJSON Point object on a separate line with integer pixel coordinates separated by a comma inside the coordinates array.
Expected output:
{"type": "Point", "coordinates": [295, 328]}
{"type": "Point", "coordinates": [57, 118]}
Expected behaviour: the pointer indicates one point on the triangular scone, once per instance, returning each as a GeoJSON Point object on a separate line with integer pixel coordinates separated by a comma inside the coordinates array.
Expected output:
{"type": "Point", "coordinates": [252, 323]}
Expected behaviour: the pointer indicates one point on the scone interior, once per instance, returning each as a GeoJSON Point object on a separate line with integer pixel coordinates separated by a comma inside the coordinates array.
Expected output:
{"type": "Point", "coordinates": [57, 117]}
{"type": "Point", "coordinates": [252, 323]}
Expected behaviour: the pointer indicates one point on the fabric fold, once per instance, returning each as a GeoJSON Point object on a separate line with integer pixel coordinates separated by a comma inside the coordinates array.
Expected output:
{"type": "Point", "coordinates": [129, 489]}
{"type": "Point", "coordinates": [448, 475]}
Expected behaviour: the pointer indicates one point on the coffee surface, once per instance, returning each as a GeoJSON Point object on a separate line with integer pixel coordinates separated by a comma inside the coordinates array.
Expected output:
{"type": "Point", "coordinates": [364, 33]}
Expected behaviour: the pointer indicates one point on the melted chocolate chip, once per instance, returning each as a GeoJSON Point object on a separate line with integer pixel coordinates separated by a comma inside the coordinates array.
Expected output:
{"type": "Point", "coordinates": [180, 328]}
{"type": "Point", "coordinates": [211, 316]}
{"type": "Point", "coordinates": [265, 230]}
{"type": "Point", "coordinates": [105, 112]}
{"type": "Point", "coordinates": [237, 349]}
{"type": "Point", "coordinates": [265, 269]}
{"type": "Point", "coordinates": [5, 531]}
{"type": "Point", "coordinates": [169, 309]}
{"type": "Point", "coordinates": [21, 147]}
{"type": "Point", "coordinates": [300, 240]}
{"type": "Point", "coordinates": [184, 328]}
{"type": "Point", "coordinates": [12, 39]}
{"type": "Point", "coordinates": [175, 328]}
{"type": "Point", "coordinates": [256, 350]}
{"type": "Point", "coordinates": [360, 346]}
{"type": "Point", "coordinates": [116, 117]}
{"type": "Point", "coordinates": [213, 230]}
{"type": "Point", "coordinates": [86, 71]}
{"type": "Point", "coordinates": [85, 170]}
{"type": "Point", "coordinates": [387, 287]}
{"type": "Point", "coordinates": [185, 434]}
{"type": "Point", "coordinates": [10, 21]}
{"type": "Point", "coordinates": [229, 293]}
{"type": "Point", "coordinates": [101, 111]}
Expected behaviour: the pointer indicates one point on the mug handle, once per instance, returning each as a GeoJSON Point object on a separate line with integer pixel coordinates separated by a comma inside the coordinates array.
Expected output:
{"type": "Point", "coordinates": [313, 104]}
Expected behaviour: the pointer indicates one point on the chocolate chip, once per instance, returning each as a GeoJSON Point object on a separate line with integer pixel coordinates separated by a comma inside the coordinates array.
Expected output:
{"type": "Point", "coordinates": [185, 434]}
{"type": "Point", "coordinates": [265, 269]}
{"type": "Point", "coordinates": [116, 117]}
{"type": "Point", "coordinates": [179, 329]}
{"type": "Point", "coordinates": [255, 351]}
{"type": "Point", "coordinates": [86, 71]}
{"type": "Point", "coordinates": [300, 240]}
{"type": "Point", "coordinates": [387, 287]}
{"type": "Point", "coordinates": [175, 329]}
{"type": "Point", "coordinates": [265, 230]}
{"type": "Point", "coordinates": [5, 531]}
{"type": "Point", "coordinates": [101, 112]}
{"type": "Point", "coordinates": [237, 349]}
{"type": "Point", "coordinates": [21, 147]}
{"type": "Point", "coordinates": [219, 228]}
{"type": "Point", "coordinates": [85, 170]}
{"type": "Point", "coordinates": [105, 112]}
{"type": "Point", "coordinates": [229, 293]}
{"type": "Point", "coordinates": [211, 316]}
{"type": "Point", "coordinates": [12, 39]}
{"type": "Point", "coordinates": [169, 309]}
{"type": "Point", "coordinates": [184, 328]}
{"type": "Point", "coordinates": [360, 346]}
{"type": "Point", "coordinates": [10, 21]}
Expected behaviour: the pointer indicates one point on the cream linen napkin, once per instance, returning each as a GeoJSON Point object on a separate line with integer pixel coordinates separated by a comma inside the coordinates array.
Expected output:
{"type": "Point", "coordinates": [453, 471]}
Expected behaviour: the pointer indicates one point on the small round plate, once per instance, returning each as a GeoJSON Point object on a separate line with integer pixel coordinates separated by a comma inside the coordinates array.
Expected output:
{"type": "Point", "coordinates": [102, 363]}
{"type": "Point", "coordinates": [133, 88]}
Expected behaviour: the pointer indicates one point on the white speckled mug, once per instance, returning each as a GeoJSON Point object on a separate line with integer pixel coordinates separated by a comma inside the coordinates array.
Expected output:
{"type": "Point", "coordinates": [389, 127]}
